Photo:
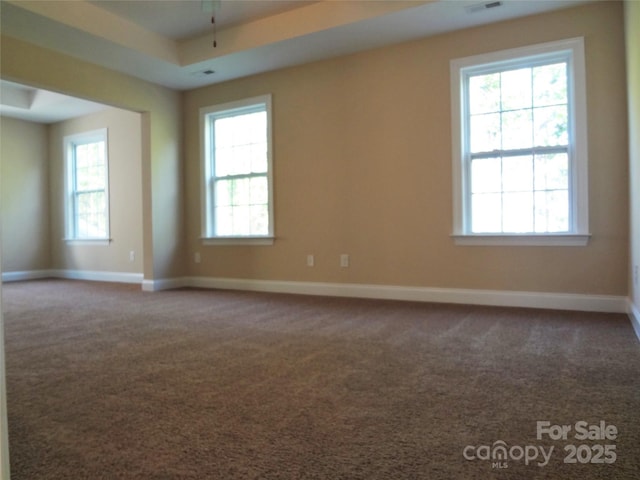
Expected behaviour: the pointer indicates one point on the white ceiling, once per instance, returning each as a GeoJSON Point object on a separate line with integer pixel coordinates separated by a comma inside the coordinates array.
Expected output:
{"type": "Point", "coordinates": [180, 19]}
{"type": "Point", "coordinates": [170, 42]}
{"type": "Point", "coordinates": [42, 106]}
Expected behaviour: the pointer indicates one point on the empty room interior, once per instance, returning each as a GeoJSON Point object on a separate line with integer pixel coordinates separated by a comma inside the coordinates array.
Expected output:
{"type": "Point", "coordinates": [332, 239]}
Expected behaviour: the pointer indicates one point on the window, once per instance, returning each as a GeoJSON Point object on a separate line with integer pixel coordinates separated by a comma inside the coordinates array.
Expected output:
{"type": "Point", "coordinates": [237, 173]}
{"type": "Point", "coordinates": [87, 182]}
{"type": "Point", "coordinates": [520, 153]}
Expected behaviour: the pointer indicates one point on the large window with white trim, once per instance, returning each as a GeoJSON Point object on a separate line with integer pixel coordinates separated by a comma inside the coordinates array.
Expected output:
{"type": "Point", "coordinates": [237, 171]}
{"type": "Point", "coordinates": [87, 186]}
{"type": "Point", "coordinates": [520, 153]}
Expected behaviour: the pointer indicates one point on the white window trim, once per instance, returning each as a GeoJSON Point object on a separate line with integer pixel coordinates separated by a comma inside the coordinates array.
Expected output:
{"type": "Point", "coordinates": [69, 165]}
{"type": "Point", "coordinates": [578, 154]}
{"type": "Point", "coordinates": [207, 202]}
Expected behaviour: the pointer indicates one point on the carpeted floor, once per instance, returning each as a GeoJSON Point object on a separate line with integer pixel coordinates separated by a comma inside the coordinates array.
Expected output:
{"type": "Point", "coordinates": [107, 382]}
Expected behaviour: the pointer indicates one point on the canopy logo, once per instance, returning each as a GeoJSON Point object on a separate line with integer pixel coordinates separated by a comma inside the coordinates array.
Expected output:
{"type": "Point", "coordinates": [500, 454]}
{"type": "Point", "coordinates": [586, 450]}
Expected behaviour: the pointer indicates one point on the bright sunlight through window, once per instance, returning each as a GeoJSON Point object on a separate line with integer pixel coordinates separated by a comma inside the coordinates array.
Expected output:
{"type": "Point", "coordinates": [87, 186]}
{"type": "Point", "coordinates": [520, 170]}
{"type": "Point", "coordinates": [237, 170]}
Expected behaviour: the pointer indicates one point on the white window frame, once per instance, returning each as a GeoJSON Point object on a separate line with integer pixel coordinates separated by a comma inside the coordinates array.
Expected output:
{"type": "Point", "coordinates": [70, 142]}
{"type": "Point", "coordinates": [207, 194]}
{"type": "Point", "coordinates": [573, 51]}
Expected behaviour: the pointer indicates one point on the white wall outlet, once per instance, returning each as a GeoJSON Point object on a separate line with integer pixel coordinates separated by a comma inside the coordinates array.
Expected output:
{"type": "Point", "coordinates": [344, 260]}
{"type": "Point", "coordinates": [311, 260]}
{"type": "Point", "coordinates": [196, 257]}
{"type": "Point", "coordinates": [635, 275]}
{"type": "Point", "coordinates": [132, 256]}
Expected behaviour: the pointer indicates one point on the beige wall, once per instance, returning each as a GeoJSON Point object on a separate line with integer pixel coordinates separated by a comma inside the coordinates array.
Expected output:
{"type": "Point", "coordinates": [162, 181]}
{"type": "Point", "coordinates": [124, 130]}
{"type": "Point", "coordinates": [362, 165]}
{"type": "Point", "coordinates": [362, 161]}
{"type": "Point", "coordinates": [632, 24]}
{"type": "Point", "coordinates": [24, 206]}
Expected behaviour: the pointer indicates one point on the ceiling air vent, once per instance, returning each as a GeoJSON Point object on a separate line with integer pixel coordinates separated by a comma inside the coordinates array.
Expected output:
{"type": "Point", "coordinates": [203, 73]}
{"type": "Point", "coordinates": [479, 7]}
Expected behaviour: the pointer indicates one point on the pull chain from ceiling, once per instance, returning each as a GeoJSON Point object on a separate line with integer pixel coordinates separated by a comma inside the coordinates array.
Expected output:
{"type": "Point", "coordinates": [213, 22]}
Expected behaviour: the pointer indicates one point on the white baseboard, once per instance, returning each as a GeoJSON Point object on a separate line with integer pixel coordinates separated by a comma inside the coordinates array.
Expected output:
{"type": "Point", "coordinates": [163, 284]}
{"type": "Point", "coordinates": [98, 276]}
{"type": "Point", "coordinates": [95, 276]}
{"type": "Point", "coordinates": [560, 301]}
{"type": "Point", "coordinates": [634, 316]}
{"type": "Point", "coordinates": [26, 275]}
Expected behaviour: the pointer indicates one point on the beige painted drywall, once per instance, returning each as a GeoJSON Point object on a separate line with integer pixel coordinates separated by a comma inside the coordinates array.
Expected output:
{"type": "Point", "coordinates": [632, 29]}
{"type": "Point", "coordinates": [162, 184]}
{"type": "Point", "coordinates": [24, 206]}
{"type": "Point", "coordinates": [124, 133]}
{"type": "Point", "coordinates": [362, 165]}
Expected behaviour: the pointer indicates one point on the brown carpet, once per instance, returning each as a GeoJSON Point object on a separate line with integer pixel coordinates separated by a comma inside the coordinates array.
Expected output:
{"type": "Point", "coordinates": [107, 382]}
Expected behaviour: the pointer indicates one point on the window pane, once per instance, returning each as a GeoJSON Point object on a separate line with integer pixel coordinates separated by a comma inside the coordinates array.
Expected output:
{"type": "Point", "coordinates": [550, 85]}
{"type": "Point", "coordinates": [486, 213]}
{"type": "Point", "coordinates": [241, 160]}
{"type": "Point", "coordinates": [259, 163]}
{"type": "Point", "coordinates": [516, 89]}
{"type": "Point", "coordinates": [252, 128]}
{"type": "Point", "coordinates": [550, 124]}
{"type": "Point", "coordinates": [223, 162]}
{"type": "Point", "coordinates": [259, 220]}
{"type": "Point", "coordinates": [516, 130]}
{"type": "Point", "coordinates": [223, 193]}
{"type": "Point", "coordinates": [90, 178]}
{"type": "Point", "coordinates": [485, 132]}
{"type": "Point", "coordinates": [247, 200]}
{"type": "Point", "coordinates": [87, 154]}
{"type": "Point", "coordinates": [259, 191]}
{"type": "Point", "coordinates": [242, 220]}
{"type": "Point", "coordinates": [224, 221]}
{"type": "Point", "coordinates": [241, 191]}
{"type": "Point", "coordinates": [223, 129]}
{"type": "Point", "coordinates": [552, 172]}
{"type": "Point", "coordinates": [240, 171]}
{"type": "Point", "coordinates": [484, 93]}
{"type": "Point", "coordinates": [486, 175]}
{"type": "Point", "coordinates": [552, 211]}
{"type": "Point", "coordinates": [90, 168]}
{"type": "Point", "coordinates": [517, 212]}
{"type": "Point", "coordinates": [241, 144]}
{"type": "Point", "coordinates": [91, 215]}
{"type": "Point", "coordinates": [520, 118]}
{"type": "Point", "coordinates": [517, 174]}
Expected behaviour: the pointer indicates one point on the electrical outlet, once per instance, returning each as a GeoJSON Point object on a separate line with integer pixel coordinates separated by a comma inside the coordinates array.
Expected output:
{"type": "Point", "coordinates": [311, 260]}
{"type": "Point", "coordinates": [635, 275]}
{"type": "Point", "coordinates": [196, 257]}
{"type": "Point", "coordinates": [344, 260]}
{"type": "Point", "coordinates": [132, 256]}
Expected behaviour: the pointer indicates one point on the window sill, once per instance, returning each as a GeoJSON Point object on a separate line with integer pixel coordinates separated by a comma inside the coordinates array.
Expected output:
{"type": "Point", "coordinates": [87, 241]}
{"type": "Point", "coordinates": [545, 240]}
{"type": "Point", "coordinates": [253, 241]}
